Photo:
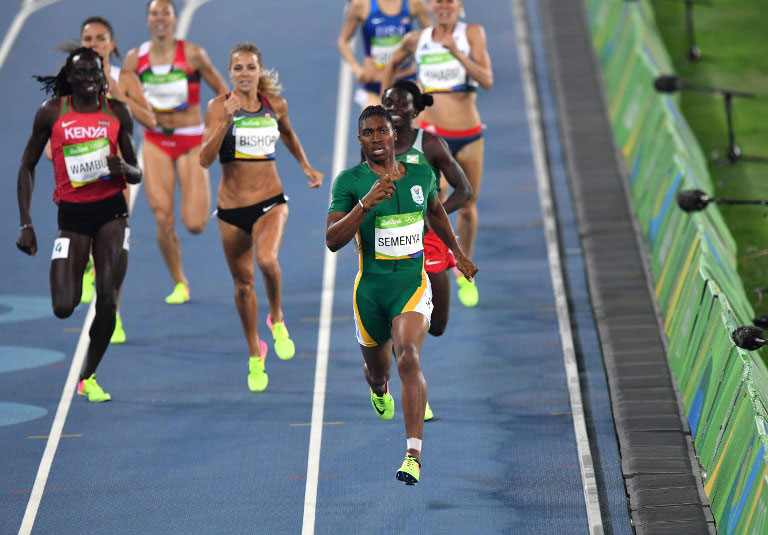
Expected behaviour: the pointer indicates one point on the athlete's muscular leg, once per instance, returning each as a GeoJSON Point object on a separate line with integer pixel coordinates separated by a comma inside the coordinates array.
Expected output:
{"type": "Point", "coordinates": [470, 157]}
{"type": "Point", "coordinates": [268, 235]}
{"type": "Point", "coordinates": [67, 273]}
{"type": "Point", "coordinates": [441, 299]}
{"type": "Point", "coordinates": [377, 366]}
{"type": "Point", "coordinates": [158, 183]}
{"type": "Point", "coordinates": [408, 332]}
{"type": "Point", "coordinates": [238, 249]}
{"type": "Point", "coordinates": [110, 258]}
{"type": "Point", "coordinates": [195, 191]}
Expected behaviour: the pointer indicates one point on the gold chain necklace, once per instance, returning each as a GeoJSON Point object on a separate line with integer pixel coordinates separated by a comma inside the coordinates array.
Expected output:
{"type": "Point", "coordinates": [397, 170]}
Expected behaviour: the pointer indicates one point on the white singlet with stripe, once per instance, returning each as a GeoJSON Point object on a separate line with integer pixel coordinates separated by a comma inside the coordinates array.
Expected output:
{"type": "Point", "coordinates": [439, 70]}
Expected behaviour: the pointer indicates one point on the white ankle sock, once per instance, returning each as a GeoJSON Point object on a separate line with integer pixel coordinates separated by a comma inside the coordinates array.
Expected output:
{"type": "Point", "coordinates": [413, 444]}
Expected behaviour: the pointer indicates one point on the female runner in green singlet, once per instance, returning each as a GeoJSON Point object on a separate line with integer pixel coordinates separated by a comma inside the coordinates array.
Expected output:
{"type": "Point", "coordinates": [382, 203]}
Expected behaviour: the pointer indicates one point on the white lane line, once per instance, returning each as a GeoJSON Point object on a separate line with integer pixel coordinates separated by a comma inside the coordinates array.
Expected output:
{"type": "Point", "coordinates": [185, 17]}
{"type": "Point", "coordinates": [340, 144]}
{"type": "Point", "coordinates": [30, 513]}
{"type": "Point", "coordinates": [27, 8]}
{"type": "Point", "coordinates": [533, 112]}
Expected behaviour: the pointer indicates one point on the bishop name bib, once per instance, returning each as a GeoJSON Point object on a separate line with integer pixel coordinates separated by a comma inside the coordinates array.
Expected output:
{"type": "Point", "coordinates": [255, 137]}
{"type": "Point", "coordinates": [399, 236]}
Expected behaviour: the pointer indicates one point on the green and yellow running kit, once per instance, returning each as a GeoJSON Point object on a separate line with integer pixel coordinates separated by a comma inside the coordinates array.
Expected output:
{"type": "Point", "coordinates": [390, 242]}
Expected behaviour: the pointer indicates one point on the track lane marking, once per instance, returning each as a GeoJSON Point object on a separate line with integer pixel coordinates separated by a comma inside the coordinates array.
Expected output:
{"type": "Point", "coordinates": [340, 144]}
{"type": "Point", "coordinates": [30, 513]}
{"type": "Point", "coordinates": [551, 233]}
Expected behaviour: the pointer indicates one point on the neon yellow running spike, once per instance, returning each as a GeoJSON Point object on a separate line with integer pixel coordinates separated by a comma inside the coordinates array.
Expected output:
{"type": "Point", "coordinates": [89, 277]}
{"type": "Point", "coordinates": [284, 347]}
{"type": "Point", "coordinates": [428, 413]}
{"type": "Point", "coordinates": [257, 377]}
{"type": "Point", "coordinates": [467, 292]}
{"type": "Point", "coordinates": [179, 296]}
{"type": "Point", "coordinates": [383, 405]}
{"type": "Point", "coordinates": [118, 335]}
{"type": "Point", "coordinates": [89, 387]}
{"type": "Point", "coordinates": [409, 470]}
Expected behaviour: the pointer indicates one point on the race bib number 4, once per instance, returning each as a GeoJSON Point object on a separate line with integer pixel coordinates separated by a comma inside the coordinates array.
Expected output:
{"type": "Point", "coordinates": [166, 92]}
{"type": "Point", "coordinates": [399, 236]}
{"type": "Point", "coordinates": [255, 137]}
{"type": "Point", "coordinates": [86, 162]}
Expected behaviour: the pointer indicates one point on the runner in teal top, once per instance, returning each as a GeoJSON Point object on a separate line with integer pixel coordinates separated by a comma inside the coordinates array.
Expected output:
{"type": "Point", "coordinates": [382, 203]}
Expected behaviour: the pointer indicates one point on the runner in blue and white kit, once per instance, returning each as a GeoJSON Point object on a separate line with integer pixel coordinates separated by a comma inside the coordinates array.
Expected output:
{"type": "Point", "coordinates": [383, 25]}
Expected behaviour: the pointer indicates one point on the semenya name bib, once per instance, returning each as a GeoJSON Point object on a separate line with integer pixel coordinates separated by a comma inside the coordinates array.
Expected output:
{"type": "Point", "coordinates": [399, 236]}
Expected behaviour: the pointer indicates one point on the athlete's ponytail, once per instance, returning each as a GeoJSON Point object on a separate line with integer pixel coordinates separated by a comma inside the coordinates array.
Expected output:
{"type": "Point", "coordinates": [59, 86]}
{"type": "Point", "coordinates": [269, 81]}
{"type": "Point", "coordinates": [420, 100]}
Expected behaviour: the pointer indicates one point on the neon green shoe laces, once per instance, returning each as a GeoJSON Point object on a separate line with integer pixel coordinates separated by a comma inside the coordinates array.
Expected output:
{"type": "Point", "coordinates": [409, 471]}
{"type": "Point", "coordinates": [257, 377]}
{"type": "Point", "coordinates": [179, 296]}
{"type": "Point", "coordinates": [89, 387]}
{"type": "Point", "coordinates": [428, 413]}
{"type": "Point", "coordinates": [467, 292]}
{"type": "Point", "coordinates": [118, 335]}
{"type": "Point", "coordinates": [383, 405]}
{"type": "Point", "coordinates": [284, 346]}
{"type": "Point", "coordinates": [89, 277]}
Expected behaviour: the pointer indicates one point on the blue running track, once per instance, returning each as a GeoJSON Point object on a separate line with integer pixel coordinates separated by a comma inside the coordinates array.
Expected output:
{"type": "Point", "coordinates": [184, 447]}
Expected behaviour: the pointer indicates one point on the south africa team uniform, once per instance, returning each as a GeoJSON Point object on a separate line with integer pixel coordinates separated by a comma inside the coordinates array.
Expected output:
{"type": "Point", "coordinates": [87, 195]}
{"type": "Point", "coordinates": [381, 35]}
{"type": "Point", "coordinates": [390, 241]}
{"type": "Point", "coordinates": [169, 88]}
{"type": "Point", "coordinates": [252, 138]}
{"type": "Point", "coordinates": [441, 72]}
{"type": "Point", "coordinates": [437, 256]}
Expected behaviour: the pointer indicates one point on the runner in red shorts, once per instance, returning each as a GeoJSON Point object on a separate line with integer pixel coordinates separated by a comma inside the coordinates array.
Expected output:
{"type": "Point", "coordinates": [404, 101]}
{"type": "Point", "coordinates": [171, 71]}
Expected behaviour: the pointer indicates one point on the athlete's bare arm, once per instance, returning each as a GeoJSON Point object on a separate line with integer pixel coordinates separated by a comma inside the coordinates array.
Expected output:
{"type": "Point", "coordinates": [356, 13]}
{"type": "Point", "coordinates": [437, 152]}
{"type": "Point", "coordinates": [199, 61]}
{"type": "Point", "coordinates": [126, 164]}
{"type": "Point", "coordinates": [292, 143]}
{"type": "Point", "coordinates": [218, 118]}
{"type": "Point", "coordinates": [478, 63]}
{"type": "Point", "coordinates": [404, 51]}
{"type": "Point", "coordinates": [41, 132]}
{"type": "Point", "coordinates": [130, 62]}
{"type": "Point", "coordinates": [440, 223]}
{"type": "Point", "coordinates": [130, 85]}
{"type": "Point", "coordinates": [418, 9]}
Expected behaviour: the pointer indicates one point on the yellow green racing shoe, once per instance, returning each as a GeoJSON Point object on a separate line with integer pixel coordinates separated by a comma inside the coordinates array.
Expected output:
{"type": "Point", "coordinates": [89, 278]}
{"type": "Point", "coordinates": [179, 295]}
{"type": "Point", "coordinates": [409, 470]}
{"type": "Point", "coordinates": [90, 388]}
{"type": "Point", "coordinates": [383, 405]}
{"type": "Point", "coordinates": [284, 347]}
{"type": "Point", "coordinates": [257, 377]}
{"type": "Point", "coordinates": [467, 292]}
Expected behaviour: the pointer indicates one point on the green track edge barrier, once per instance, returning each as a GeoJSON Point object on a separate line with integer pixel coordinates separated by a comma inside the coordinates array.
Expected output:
{"type": "Point", "coordinates": [700, 296]}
